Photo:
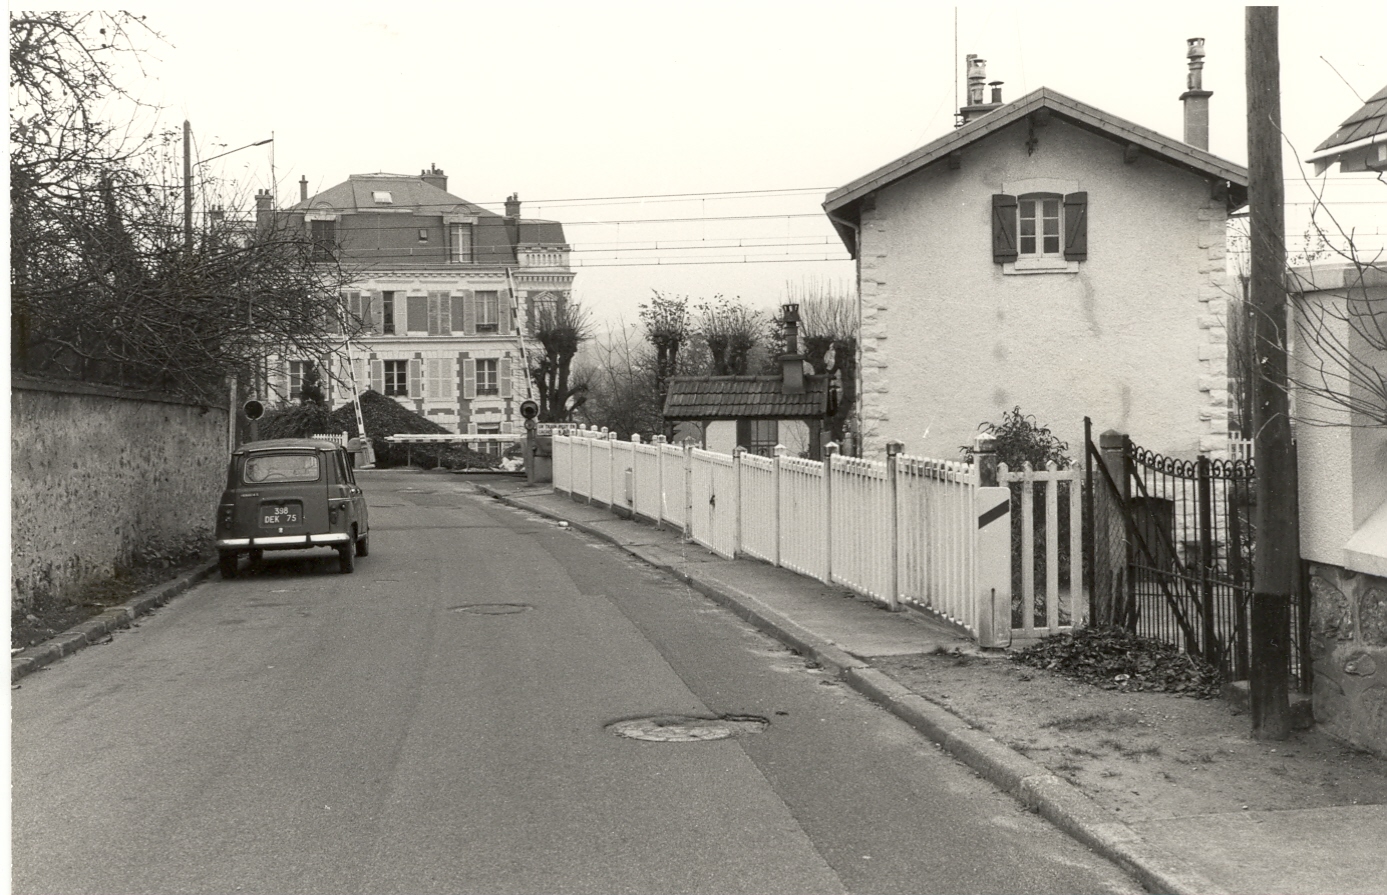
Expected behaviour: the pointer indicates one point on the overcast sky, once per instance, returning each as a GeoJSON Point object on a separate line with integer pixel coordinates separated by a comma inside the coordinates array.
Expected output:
{"type": "Point", "coordinates": [602, 100]}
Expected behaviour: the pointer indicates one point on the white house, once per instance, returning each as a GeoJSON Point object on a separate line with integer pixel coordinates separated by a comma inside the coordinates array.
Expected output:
{"type": "Point", "coordinates": [1050, 255]}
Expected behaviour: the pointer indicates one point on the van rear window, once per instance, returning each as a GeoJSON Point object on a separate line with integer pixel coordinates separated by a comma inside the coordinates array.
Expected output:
{"type": "Point", "coordinates": [263, 468]}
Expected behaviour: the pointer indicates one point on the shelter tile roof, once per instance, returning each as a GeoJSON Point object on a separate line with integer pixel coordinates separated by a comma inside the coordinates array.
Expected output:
{"type": "Point", "coordinates": [744, 397]}
{"type": "Point", "coordinates": [1368, 121]}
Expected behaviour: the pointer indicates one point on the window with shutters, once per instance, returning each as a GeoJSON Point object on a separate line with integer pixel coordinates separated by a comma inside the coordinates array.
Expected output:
{"type": "Point", "coordinates": [488, 312]}
{"type": "Point", "coordinates": [1040, 232]}
{"type": "Point", "coordinates": [488, 378]}
{"type": "Point", "coordinates": [441, 373]}
{"type": "Point", "coordinates": [462, 243]}
{"type": "Point", "coordinates": [397, 378]}
{"type": "Point", "coordinates": [490, 448]}
{"type": "Point", "coordinates": [387, 313]}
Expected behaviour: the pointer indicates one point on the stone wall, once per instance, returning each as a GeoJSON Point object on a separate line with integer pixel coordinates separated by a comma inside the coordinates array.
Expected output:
{"type": "Point", "coordinates": [96, 474]}
{"type": "Point", "coordinates": [1348, 627]}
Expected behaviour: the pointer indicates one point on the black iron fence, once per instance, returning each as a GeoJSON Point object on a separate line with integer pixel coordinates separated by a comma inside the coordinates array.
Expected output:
{"type": "Point", "coordinates": [1176, 540]}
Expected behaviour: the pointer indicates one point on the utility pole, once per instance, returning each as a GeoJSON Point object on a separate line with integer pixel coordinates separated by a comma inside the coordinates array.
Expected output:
{"type": "Point", "coordinates": [187, 185]}
{"type": "Point", "coordinates": [1277, 539]}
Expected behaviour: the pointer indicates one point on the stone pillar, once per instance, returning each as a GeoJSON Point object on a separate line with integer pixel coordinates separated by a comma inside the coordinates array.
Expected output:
{"type": "Point", "coordinates": [1110, 541]}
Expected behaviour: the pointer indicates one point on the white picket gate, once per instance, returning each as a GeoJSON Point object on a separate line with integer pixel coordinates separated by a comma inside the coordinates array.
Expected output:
{"type": "Point", "coordinates": [910, 530]}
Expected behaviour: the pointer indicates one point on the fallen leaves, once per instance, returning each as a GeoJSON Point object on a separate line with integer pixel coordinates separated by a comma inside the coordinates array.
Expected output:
{"type": "Point", "coordinates": [1116, 659]}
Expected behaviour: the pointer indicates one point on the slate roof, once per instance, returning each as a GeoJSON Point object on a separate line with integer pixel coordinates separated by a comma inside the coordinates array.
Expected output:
{"type": "Point", "coordinates": [1366, 126]}
{"type": "Point", "coordinates": [842, 202]}
{"type": "Point", "coordinates": [494, 238]}
{"type": "Point", "coordinates": [744, 397]}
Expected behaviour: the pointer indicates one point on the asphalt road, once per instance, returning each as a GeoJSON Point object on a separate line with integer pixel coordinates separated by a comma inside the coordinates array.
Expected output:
{"type": "Point", "coordinates": [437, 722]}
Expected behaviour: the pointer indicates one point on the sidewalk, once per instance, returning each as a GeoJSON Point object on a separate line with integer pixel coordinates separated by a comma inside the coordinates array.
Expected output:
{"type": "Point", "coordinates": [1171, 789]}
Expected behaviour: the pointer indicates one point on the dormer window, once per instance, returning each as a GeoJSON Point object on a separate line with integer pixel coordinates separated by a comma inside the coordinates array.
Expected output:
{"type": "Point", "coordinates": [382, 197]}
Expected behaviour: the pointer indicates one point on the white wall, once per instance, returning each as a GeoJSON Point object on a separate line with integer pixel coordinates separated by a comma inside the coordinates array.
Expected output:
{"type": "Point", "coordinates": [1135, 339]}
{"type": "Point", "coordinates": [1342, 465]}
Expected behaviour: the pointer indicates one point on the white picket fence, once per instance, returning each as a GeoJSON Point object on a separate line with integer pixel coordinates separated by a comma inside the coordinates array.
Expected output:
{"type": "Point", "coordinates": [909, 530]}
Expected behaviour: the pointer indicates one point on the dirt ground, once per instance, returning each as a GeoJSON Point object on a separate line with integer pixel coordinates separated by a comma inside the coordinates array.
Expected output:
{"type": "Point", "coordinates": [52, 617]}
{"type": "Point", "coordinates": [1145, 756]}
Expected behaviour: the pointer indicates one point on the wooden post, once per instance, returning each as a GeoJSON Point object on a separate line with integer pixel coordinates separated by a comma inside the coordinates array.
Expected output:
{"type": "Point", "coordinates": [992, 504]}
{"type": "Point", "coordinates": [1277, 545]}
{"type": "Point", "coordinates": [775, 497]}
{"type": "Point", "coordinates": [830, 450]}
{"type": "Point", "coordinates": [893, 450]}
{"type": "Point", "coordinates": [659, 441]}
{"type": "Point", "coordinates": [737, 453]}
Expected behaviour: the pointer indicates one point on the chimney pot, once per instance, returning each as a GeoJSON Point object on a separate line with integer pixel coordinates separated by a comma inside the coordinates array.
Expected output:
{"type": "Point", "coordinates": [303, 188]}
{"type": "Point", "coordinates": [1195, 97]}
{"type": "Point", "coordinates": [513, 206]}
{"type": "Point", "coordinates": [996, 92]}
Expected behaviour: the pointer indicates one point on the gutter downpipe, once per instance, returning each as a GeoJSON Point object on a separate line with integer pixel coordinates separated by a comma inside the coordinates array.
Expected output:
{"type": "Point", "coordinates": [856, 253]}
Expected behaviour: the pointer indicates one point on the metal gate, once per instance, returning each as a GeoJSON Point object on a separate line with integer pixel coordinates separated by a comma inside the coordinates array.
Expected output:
{"type": "Point", "coordinates": [1178, 535]}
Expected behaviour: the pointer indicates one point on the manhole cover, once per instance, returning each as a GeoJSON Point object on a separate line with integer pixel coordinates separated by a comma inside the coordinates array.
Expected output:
{"type": "Point", "coordinates": [493, 608]}
{"type": "Point", "coordinates": [686, 729]}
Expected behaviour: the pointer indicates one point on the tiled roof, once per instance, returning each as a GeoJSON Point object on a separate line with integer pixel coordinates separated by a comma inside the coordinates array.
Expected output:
{"type": "Point", "coordinates": [1368, 121]}
{"type": "Point", "coordinates": [744, 397]}
{"type": "Point", "coordinates": [843, 202]}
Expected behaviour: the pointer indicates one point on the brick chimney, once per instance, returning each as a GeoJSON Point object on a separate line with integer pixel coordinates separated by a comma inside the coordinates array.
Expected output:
{"type": "Point", "coordinates": [978, 104]}
{"type": "Point", "coordinates": [513, 207]}
{"type": "Point", "coordinates": [792, 363]}
{"type": "Point", "coordinates": [1196, 98]}
{"type": "Point", "coordinates": [303, 188]}
{"type": "Point", "coordinates": [264, 210]}
{"type": "Point", "coordinates": [434, 176]}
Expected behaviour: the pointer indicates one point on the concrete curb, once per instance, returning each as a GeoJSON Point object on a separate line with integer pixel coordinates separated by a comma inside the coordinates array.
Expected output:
{"type": "Point", "coordinates": [1054, 798]}
{"type": "Point", "coordinates": [95, 628]}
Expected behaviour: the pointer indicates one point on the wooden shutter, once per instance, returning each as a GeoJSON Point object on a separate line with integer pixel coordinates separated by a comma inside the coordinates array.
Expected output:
{"type": "Point", "coordinates": [417, 313]}
{"type": "Point", "coordinates": [469, 312]}
{"type": "Point", "coordinates": [378, 376]}
{"type": "Point", "coordinates": [416, 385]}
{"type": "Point", "coordinates": [440, 314]}
{"type": "Point", "coordinates": [358, 310]}
{"type": "Point", "coordinates": [503, 373]}
{"type": "Point", "coordinates": [376, 311]}
{"type": "Point", "coordinates": [503, 311]}
{"type": "Point", "coordinates": [1076, 227]}
{"type": "Point", "coordinates": [1003, 228]}
{"type": "Point", "coordinates": [279, 381]}
{"type": "Point", "coordinates": [469, 378]}
{"type": "Point", "coordinates": [458, 324]}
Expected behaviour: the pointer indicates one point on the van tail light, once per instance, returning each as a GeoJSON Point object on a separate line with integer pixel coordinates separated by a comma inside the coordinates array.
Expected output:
{"type": "Point", "coordinates": [228, 515]}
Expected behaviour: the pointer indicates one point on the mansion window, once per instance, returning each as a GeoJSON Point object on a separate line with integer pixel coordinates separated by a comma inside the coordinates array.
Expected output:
{"type": "Point", "coordinates": [297, 370]}
{"type": "Point", "coordinates": [462, 243]}
{"type": "Point", "coordinates": [387, 313]}
{"type": "Point", "coordinates": [488, 312]}
{"type": "Point", "coordinates": [488, 378]}
{"type": "Point", "coordinates": [1038, 232]}
{"type": "Point", "coordinates": [397, 377]}
{"type": "Point", "coordinates": [324, 239]}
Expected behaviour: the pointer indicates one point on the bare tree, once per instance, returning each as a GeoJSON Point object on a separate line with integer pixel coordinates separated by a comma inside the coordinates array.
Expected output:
{"type": "Point", "coordinates": [561, 330]}
{"type": "Point", "coordinates": [104, 284]}
{"type": "Point", "coordinates": [619, 367]}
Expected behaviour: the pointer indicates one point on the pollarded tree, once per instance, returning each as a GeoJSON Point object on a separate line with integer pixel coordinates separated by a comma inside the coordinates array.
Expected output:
{"type": "Point", "coordinates": [731, 331]}
{"type": "Point", "coordinates": [561, 329]}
